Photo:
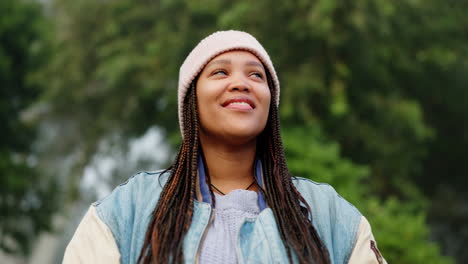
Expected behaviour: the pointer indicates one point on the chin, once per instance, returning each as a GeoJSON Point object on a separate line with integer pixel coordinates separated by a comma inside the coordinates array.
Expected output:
{"type": "Point", "coordinates": [242, 135]}
{"type": "Point", "coordinates": [234, 132]}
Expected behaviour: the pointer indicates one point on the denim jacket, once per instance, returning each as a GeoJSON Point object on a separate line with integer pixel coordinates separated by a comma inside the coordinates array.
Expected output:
{"type": "Point", "coordinates": [127, 212]}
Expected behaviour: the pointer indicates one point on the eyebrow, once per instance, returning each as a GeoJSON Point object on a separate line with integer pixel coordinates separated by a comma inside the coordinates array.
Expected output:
{"type": "Point", "coordinates": [255, 63]}
{"type": "Point", "coordinates": [226, 62]}
{"type": "Point", "coordinates": [220, 62]}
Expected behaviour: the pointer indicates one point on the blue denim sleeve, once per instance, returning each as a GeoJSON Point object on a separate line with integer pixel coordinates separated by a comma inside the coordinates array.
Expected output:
{"type": "Point", "coordinates": [336, 220]}
{"type": "Point", "coordinates": [128, 209]}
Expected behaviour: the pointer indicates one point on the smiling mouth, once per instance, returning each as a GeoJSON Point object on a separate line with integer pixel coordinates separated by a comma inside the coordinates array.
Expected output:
{"type": "Point", "coordinates": [239, 104]}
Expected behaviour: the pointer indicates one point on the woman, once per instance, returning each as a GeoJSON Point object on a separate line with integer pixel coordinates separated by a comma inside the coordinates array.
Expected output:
{"type": "Point", "coordinates": [228, 197]}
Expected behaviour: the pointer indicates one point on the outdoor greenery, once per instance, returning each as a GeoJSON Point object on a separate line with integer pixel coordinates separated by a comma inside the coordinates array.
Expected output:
{"type": "Point", "coordinates": [26, 196]}
{"type": "Point", "coordinates": [373, 101]}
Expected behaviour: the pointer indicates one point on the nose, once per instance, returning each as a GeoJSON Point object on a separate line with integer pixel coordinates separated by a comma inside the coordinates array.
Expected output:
{"type": "Point", "coordinates": [240, 83]}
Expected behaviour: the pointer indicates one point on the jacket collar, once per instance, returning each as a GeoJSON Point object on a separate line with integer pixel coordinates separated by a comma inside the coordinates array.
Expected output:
{"type": "Point", "coordinates": [203, 190]}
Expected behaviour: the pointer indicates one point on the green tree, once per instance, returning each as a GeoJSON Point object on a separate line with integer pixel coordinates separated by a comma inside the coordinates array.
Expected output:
{"type": "Point", "coordinates": [399, 226]}
{"type": "Point", "coordinates": [26, 199]}
{"type": "Point", "coordinates": [357, 71]}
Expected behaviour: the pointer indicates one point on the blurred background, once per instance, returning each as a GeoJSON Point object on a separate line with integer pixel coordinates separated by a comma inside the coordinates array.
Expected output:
{"type": "Point", "coordinates": [374, 101]}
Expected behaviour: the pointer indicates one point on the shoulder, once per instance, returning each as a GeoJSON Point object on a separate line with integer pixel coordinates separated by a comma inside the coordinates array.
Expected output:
{"type": "Point", "coordinates": [128, 209]}
{"type": "Point", "coordinates": [336, 220]}
{"type": "Point", "coordinates": [138, 191]}
{"type": "Point", "coordinates": [322, 193]}
{"type": "Point", "coordinates": [365, 249]}
{"type": "Point", "coordinates": [92, 242]}
{"type": "Point", "coordinates": [138, 186]}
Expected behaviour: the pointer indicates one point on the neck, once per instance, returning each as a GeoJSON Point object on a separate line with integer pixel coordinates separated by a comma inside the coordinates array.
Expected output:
{"type": "Point", "coordinates": [229, 167]}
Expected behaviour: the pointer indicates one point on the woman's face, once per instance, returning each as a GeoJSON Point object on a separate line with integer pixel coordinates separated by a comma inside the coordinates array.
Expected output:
{"type": "Point", "coordinates": [233, 97]}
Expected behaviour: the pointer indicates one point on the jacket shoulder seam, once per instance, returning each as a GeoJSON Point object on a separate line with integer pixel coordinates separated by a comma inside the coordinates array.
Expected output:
{"type": "Point", "coordinates": [330, 186]}
{"type": "Point", "coordinates": [121, 185]}
{"type": "Point", "coordinates": [311, 181]}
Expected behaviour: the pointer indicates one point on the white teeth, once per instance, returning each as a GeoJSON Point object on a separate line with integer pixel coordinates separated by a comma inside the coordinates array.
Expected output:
{"type": "Point", "coordinates": [240, 103]}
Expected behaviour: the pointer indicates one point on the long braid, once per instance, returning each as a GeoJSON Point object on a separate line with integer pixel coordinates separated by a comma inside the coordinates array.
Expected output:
{"type": "Point", "coordinates": [284, 199]}
{"type": "Point", "coordinates": [195, 149]}
{"type": "Point", "coordinates": [172, 217]}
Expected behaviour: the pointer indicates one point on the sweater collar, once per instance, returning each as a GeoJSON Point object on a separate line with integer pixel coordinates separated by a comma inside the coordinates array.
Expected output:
{"type": "Point", "coordinates": [203, 190]}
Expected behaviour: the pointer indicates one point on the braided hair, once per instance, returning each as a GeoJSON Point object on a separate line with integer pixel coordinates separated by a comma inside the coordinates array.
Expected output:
{"type": "Point", "coordinates": [172, 217]}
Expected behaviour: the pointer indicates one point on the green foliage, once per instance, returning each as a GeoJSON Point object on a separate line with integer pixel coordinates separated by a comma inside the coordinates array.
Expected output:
{"type": "Point", "coordinates": [312, 156]}
{"type": "Point", "coordinates": [27, 203]}
{"type": "Point", "coordinates": [401, 231]}
{"type": "Point", "coordinates": [385, 81]}
{"type": "Point", "coordinates": [399, 226]}
{"type": "Point", "coordinates": [26, 200]}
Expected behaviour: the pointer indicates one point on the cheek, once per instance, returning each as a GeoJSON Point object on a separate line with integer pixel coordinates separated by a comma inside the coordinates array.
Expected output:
{"type": "Point", "coordinates": [205, 101]}
{"type": "Point", "coordinates": [206, 92]}
{"type": "Point", "coordinates": [266, 99]}
{"type": "Point", "coordinates": [201, 96]}
{"type": "Point", "coordinates": [201, 107]}
{"type": "Point", "coordinates": [206, 107]}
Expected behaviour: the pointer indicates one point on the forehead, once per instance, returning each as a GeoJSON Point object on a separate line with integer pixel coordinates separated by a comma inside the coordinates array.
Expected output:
{"type": "Point", "coordinates": [233, 56]}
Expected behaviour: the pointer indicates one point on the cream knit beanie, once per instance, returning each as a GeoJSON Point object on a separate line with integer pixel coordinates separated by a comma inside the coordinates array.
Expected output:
{"type": "Point", "coordinates": [210, 47]}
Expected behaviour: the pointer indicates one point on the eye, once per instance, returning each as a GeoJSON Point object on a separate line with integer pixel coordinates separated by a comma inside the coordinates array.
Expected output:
{"type": "Point", "coordinates": [257, 75]}
{"type": "Point", "coordinates": [219, 72]}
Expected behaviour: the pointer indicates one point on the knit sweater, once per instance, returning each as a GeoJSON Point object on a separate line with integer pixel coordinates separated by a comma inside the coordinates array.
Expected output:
{"type": "Point", "coordinates": [221, 238]}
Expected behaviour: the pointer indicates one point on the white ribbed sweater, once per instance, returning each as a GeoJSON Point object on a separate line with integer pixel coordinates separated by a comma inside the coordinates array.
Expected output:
{"type": "Point", "coordinates": [219, 245]}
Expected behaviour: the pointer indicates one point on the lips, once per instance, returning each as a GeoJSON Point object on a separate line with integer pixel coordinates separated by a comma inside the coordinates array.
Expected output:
{"type": "Point", "coordinates": [239, 103]}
